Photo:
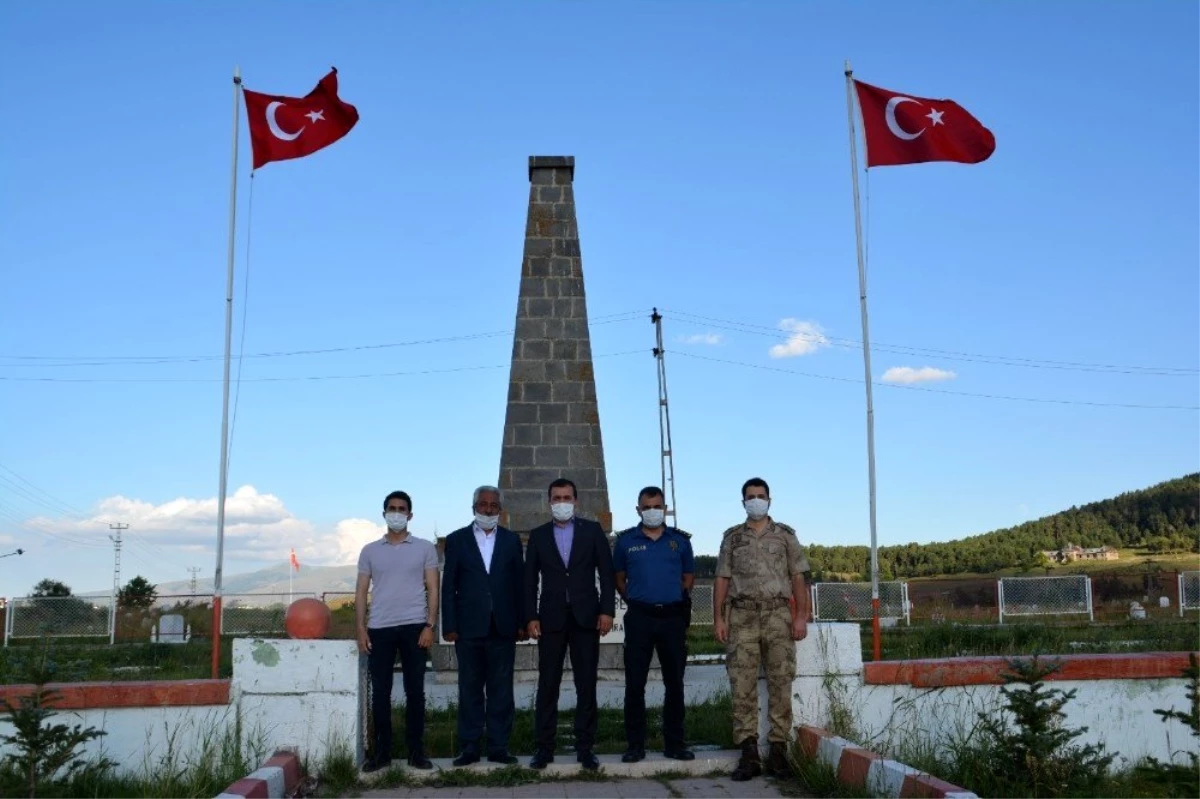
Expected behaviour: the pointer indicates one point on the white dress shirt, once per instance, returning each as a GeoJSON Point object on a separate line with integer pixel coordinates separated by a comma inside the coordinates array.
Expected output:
{"type": "Point", "coordinates": [487, 543]}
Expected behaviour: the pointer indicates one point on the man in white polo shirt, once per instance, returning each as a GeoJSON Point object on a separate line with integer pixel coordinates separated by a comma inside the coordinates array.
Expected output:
{"type": "Point", "coordinates": [401, 571]}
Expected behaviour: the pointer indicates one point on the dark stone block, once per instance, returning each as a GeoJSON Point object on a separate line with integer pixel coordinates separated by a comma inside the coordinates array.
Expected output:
{"type": "Point", "coordinates": [567, 247]}
{"type": "Point", "coordinates": [539, 178]}
{"type": "Point", "coordinates": [568, 392]}
{"type": "Point", "coordinates": [536, 267]}
{"type": "Point", "coordinates": [514, 392]}
{"type": "Point", "coordinates": [526, 435]}
{"type": "Point", "coordinates": [556, 370]}
{"type": "Point", "coordinates": [521, 413]}
{"type": "Point", "coordinates": [589, 457]}
{"type": "Point", "coordinates": [553, 456]}
{"type": "Point", "coordinates": [527, 371]}
{"type": "Point", "coordinates": [528, 328]}
{"type": "Point", "coordinates": [583, 414]}
{"type": "Point", "coordinates": [550, 194]}
{"type": "Point", "coordinates": [534, 288]}
{"type": "Point", "coordinates": [554, 328]}
{"type": "Point", "coordinates": [541, 248]}
{"type": "Point", "coordinates": [564, 307]}
{"type": "Point", "coordinates": [580, 372]}
{"type": "Point", "coordinates": [573, 434]}
{"type": "Point", "coordinates": [553, 413]}
{"type": "Point", "coordinates": [561, 267]}
{"type": "Point", "coordinates": [535, 349]}
{"type": "Point", "coordinates": [540, 307]}
{"type": "Point", "coordinates": [536, 392]}
{"type": "Point", "coordinates": [570, 287]}
{"type": "Point", "coordinates": [565, 350]}
{"type": "Point", "coordinates": [517, 456]}
{"type": "Point", "coordinates": [573, 327]}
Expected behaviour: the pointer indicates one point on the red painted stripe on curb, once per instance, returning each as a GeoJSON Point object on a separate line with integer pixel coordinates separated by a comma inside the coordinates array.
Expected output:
{"type": "Point", "coordinates": [810, 738]}
{"type": "Point", "coordinates": [854, 765]}
{"type": "Point", "coordinates": [290, 763]}
{"type": "Point", "coordinates": [949, 672]}
{"type": "Point", "coordinates": [926, 785]}
{"type": "Point", "coordinates": [249, 788]}
{"type": "Point", "coordinates": [158, 693]}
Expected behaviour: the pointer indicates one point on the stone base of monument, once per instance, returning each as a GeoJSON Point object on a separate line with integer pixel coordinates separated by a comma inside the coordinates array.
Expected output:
{"type": "Point", "coordinates": [565, 766]}
{"type": "Point", "coordinates": [525, 665]}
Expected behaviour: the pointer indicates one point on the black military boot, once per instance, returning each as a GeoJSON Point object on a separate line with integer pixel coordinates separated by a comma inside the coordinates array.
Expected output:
{"type": "Point", "coordinates": [750, 763]}
{"type": "Point", "coordinates": [777, 761]}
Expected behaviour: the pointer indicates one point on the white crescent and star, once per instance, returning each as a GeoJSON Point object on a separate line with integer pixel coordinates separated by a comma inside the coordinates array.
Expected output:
{"type": "Point", "coordinates": [280, 133]}
{"type": "Point", "coordinates": [934, 116]}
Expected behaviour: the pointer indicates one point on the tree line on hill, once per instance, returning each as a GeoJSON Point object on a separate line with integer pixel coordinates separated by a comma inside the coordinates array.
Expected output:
{"type": "Point", "coordinates": [1161, 519]}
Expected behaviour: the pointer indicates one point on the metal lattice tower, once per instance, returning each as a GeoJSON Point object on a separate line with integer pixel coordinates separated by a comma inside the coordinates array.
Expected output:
{"type": "Point", "coordinates": [664, 420]}
{"type": "Point", "coordinates": [194, 570]}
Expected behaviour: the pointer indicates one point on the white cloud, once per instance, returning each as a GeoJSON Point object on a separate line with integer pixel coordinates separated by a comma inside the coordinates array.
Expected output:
{"type": "Point", "coordinates": [907, 375]}
{"type": "Point", "coordinates": [804, 338]}
{"type": "Point", "coordinates": [258, 527]}
{"type": "Point", "coordinates": [712, 339]}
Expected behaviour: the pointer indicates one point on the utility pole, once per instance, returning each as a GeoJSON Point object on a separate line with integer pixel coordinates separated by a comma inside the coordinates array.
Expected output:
{"type": "Point", "coordinates": [112, 626]}
{"type": "Point", "coordinates": [664, 420]}
{"type": "Point", "coordinates": [194, 570]}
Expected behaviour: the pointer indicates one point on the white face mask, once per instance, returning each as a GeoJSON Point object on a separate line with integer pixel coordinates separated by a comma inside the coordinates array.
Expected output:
{"type": "Point", "coordinates": [756, 508]}
{"type": "Point", "coordinates": [653, 517]}
{"type": "Point", "coordinates": [396, 522]}
{"type": "Point", "coordinates": [562, 511]}
{"type": "Point", "coordinates": [486, 522]}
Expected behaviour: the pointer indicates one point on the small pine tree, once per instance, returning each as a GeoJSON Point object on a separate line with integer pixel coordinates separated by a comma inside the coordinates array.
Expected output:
{"type": "Point", "coordinates": [43, 751]}
{"type": "Point", "coordinates": [1178, 779]}
{"type": "Point", "coordinates": [1034, 755]}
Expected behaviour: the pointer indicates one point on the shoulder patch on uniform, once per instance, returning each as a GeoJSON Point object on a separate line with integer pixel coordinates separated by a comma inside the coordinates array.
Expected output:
{"type": "Point", "coordinates": [786, 528]}
{"type": "Point", "coordinates": [683, 533]}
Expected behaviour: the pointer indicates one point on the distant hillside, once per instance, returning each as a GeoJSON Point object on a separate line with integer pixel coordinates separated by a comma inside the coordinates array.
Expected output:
{"type": "Point", "coordinates": [1162, 518]}
{"type": "Point", "coordinates": [273, 580]}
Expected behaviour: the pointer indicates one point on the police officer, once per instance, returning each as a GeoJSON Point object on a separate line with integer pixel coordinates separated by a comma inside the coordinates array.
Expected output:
{"type": "Point", "coordinates": [761, 565]}
{"type": "Point", "coordinates": [654, 570]}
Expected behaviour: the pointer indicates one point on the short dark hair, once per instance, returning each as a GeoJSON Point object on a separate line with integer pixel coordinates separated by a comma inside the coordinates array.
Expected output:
{"type": "Point", "coordinates": [563, 482]}
{"type": "Point", "coordinates": [755, 482]}
{"type": "Point", "coordinates": [650, 491]}
{"type": "Point", "coordinates": [398, 495]}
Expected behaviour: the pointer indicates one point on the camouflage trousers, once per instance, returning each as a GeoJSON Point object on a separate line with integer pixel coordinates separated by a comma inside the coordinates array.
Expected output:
{"type": "Point", "coordinates": [761, 636]}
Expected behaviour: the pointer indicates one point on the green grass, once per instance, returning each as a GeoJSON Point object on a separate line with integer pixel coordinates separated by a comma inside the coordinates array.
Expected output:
{"type": "Point", "coordinates": [88, 660]}
{"type": "Point", "coordinates": [706, 724]}
{"type": "Point", "coordinates": [1026, 638]}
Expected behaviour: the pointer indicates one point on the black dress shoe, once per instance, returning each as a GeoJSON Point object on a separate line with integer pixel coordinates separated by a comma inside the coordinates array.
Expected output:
{"type": "Point", "coordinates": [679, 753]}
{"type": "Point", "coordinates": [541, 759]}
{"type": "Point", "coordinates": [633, 754]}
{"type": "Point", "coordinates": [468, 757]}
{"type": "Point", "coordinates": [377, 764]}
{"type": "Point", "coordinates": [588, 759]}
{"type": "Point", "coordinates": [418, 760]}
{"type": "Point", "coordinates": [501, 756]}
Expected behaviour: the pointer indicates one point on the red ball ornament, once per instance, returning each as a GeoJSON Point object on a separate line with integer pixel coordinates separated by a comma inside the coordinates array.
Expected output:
{"type": "Point", "coordinates": [307, 618]}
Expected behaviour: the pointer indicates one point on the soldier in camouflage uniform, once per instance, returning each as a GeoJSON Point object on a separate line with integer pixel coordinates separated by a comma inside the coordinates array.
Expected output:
{"type": "Point", "coordinates": [760, 567]}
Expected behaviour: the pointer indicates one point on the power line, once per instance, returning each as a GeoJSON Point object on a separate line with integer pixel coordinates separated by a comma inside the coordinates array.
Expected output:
{"type": "Point", "coordinates": [941, 390]}
{"type": "Point", "coordinates": [296, 379]}
{"type": "Point", "coordinates": [142, 360]}
{"type": "Point", "coordinates": [953, 355]}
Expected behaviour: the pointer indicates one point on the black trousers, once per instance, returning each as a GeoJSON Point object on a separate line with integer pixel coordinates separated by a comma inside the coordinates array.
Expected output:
{"type": "Point", "coordinates": [648, 630]}
{"type": "Point", "coordinates": [485, 689]}
{"type": "Point", "coordinates": [385, 643]}
{"type": "Point", "coordinates": [584, 644]}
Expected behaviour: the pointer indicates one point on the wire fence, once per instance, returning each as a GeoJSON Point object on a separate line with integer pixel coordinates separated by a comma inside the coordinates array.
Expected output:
{"type": "Point", "coordinates": [702, 604]}
{"type": "Point", "coordinates": [58, 617]}
{"type": "Point", "coordinates": [1045, 596]}
{"type": "Point", "coordinates": [1189, 591]}
{"type": "Point", "coordinates": [853, 602]}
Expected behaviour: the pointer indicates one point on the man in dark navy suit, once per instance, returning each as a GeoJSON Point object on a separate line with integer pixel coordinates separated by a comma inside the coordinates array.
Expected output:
{"type": "Point", "coordinates": [483, 615]}
{"type": "Point", "coordinates": [569, 556]}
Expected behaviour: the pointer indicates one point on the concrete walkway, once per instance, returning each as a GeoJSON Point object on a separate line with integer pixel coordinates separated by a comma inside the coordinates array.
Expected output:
{"type": "Point", "coordinates": [627, 780]}
{"type": "Point", "coordinates": [700, 684]}
{"type": "Point", "coordinates": [700, 788]}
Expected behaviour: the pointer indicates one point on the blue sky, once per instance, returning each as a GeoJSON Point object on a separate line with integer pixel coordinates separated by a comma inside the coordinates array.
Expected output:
{"type": "Point", "coordinates": [712, 181]}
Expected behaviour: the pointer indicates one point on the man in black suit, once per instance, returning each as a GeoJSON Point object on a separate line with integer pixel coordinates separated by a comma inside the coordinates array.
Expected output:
{"type": "Point", "coordinates": [568, 554]}
{"type": "Point", "coordinates": [483, 615]}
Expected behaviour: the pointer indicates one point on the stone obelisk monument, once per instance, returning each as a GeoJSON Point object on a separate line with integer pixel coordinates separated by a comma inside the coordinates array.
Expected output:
{"type": "Point", "coordinates": [552, 426]}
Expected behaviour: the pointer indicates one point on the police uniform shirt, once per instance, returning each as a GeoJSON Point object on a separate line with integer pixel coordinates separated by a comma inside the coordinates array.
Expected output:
{"type": "Point", "coordinates": [653, 569]}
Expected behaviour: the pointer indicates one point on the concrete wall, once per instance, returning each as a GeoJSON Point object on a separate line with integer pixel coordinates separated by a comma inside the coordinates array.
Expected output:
{"type": "Point", "coordinates": [938, 701]}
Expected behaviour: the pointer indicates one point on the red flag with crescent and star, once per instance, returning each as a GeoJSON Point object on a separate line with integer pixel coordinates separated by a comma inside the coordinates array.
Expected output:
{"type": "Point", "coordinates": [905, 129]}
{"type": "Point", "coordinates": [295, 563]}
{"type": "Point", "coordinates": [293, 127]}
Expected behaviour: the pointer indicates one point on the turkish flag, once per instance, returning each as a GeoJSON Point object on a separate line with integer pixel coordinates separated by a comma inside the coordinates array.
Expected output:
{"type": "Point", "coordinates": [905, 129]}
{"type": "Point", "coordinates": [293, 127]}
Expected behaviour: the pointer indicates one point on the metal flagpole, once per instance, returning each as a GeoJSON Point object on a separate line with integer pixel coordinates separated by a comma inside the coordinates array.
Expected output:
{"type": "Point", "coordinates": [862, 297]}
{"type": "Point", "coordinates": [223, 483]}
